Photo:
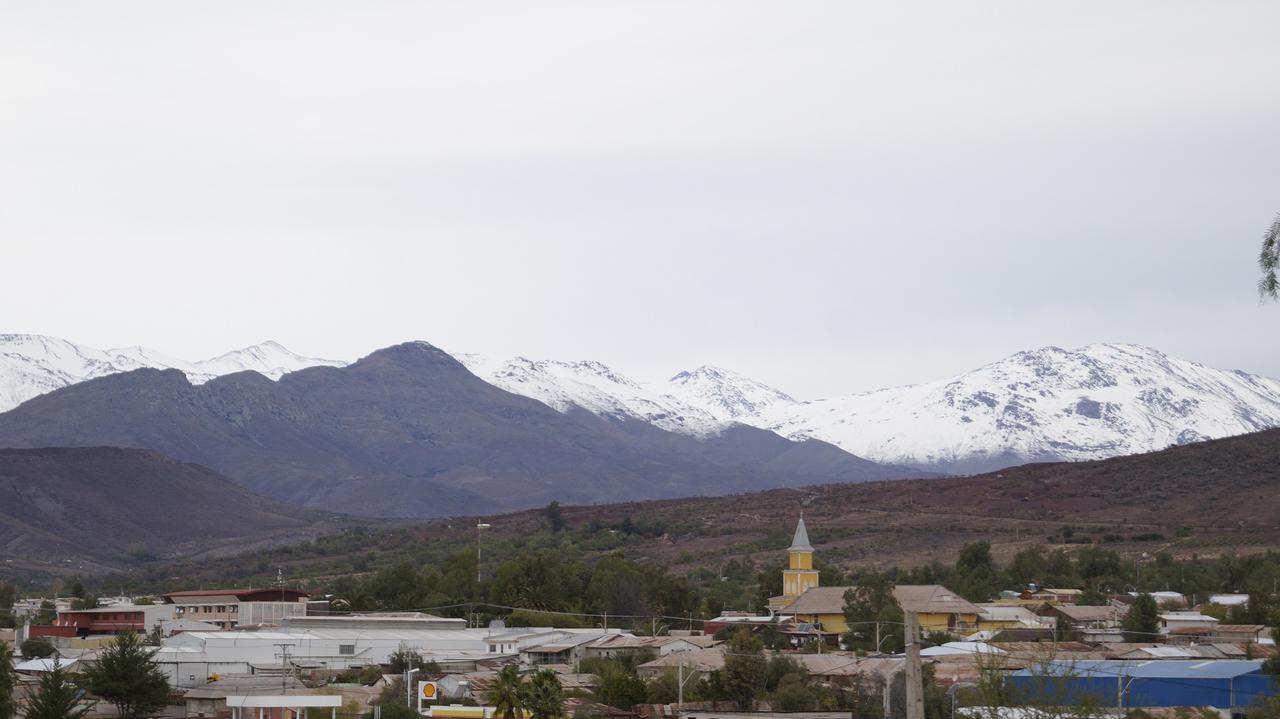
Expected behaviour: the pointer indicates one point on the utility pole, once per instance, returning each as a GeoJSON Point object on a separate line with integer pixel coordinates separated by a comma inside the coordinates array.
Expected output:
{"type": "Point", "coordinates": [480, 526]}
{"type": "Point", "coordinates": [915, 677]}
{"type": "Point", "coordinates": [284, 667]}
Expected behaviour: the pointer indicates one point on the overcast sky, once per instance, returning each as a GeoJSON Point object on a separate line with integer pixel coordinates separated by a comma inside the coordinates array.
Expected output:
{"type": "Point", "coordinates": [831, 197]}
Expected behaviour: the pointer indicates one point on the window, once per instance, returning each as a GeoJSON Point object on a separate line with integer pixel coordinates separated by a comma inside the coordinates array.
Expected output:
{"type": "Point", "coordinates": [346, 649]}
{"type": "Point", "coordinates": [234, 608]}
{"type": "Point", "coordinates": [220, 608]}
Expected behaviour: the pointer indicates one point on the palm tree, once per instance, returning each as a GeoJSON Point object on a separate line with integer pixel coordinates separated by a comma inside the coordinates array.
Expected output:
{"type": "Point", "coordinates": [543, 696]}
{"type": "Point", "coordinates": [1269, 261]}
{"type": "Point", "coordinates": [506, 694]}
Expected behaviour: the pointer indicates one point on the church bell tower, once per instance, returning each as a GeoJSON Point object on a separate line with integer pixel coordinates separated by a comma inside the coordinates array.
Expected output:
{"type": "Point", "coordinates": [799, 574]}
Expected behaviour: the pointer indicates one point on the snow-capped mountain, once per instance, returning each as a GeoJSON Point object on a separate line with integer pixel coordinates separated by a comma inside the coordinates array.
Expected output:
{"type": "Point", "coordinates": [727, 394]}
{"type": "Point", "coordinates": [1099, 401]}
{"type": "Point", "coordinates": [597, 388]}
{"type": "Point", "coordinates": [1047, 404]}
{"type": "Point", "coordinates": [32, 365]}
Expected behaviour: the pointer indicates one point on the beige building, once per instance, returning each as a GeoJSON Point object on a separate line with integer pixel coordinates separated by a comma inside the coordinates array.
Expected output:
{"type": "Point", "coordinates": [229, 608]}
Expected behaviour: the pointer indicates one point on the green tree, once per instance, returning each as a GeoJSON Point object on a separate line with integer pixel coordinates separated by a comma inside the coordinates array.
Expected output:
{"type": "Point", "coordinates": [543, 697]}
{"type": "Point", "coordinates": [48, 612]}
{"type": "Point", "coordinates": [56, 697]}
{"type": "Point", "coordinates": [127, 677]}
{"type": "Point", "coordinates": [793, 696]}
{"type": "Point", "coordinates": [664, 688]}
{"type": "Point", "coordinates": [1272, 665]}
{"type": "Point", "coordinates": [975, 574]}
{"type": "Point", "coordinates": [8, 681]}
{"type": "Point", "coordinates": [554, 517]}
{"type": "Point", "coordinates": [869, 606]}
{"type": "Point", "coordinates": [1142, 624]}
{"type": "Point", "coordinates": [506, 693]}
{"type": "Point", "coordinates": [745, 669]}
{"type": "Point", "coordinates": [620, 686]}
{"type": "Point", "coordinates": [1269, 261]}
{"type": "Point", "coordinates": [36, 647]}
{"type": "Point", "coordinates": [403, 659]}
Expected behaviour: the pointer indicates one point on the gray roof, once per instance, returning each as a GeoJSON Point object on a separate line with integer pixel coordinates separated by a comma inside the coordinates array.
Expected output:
{"type": "Point", "coordinates": [801, 540]}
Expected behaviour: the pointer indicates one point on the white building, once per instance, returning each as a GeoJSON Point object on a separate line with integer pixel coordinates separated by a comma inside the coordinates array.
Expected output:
{"type": "Point", "coordinates": [1175, 621]}
{"type": "Point", "coordinates": [338, 643]}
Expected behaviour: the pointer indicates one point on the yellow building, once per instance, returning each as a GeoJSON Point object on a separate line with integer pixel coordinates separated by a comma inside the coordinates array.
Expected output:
{"type": "Point", "coordinates": [938, 608]}
{"type": "Point", "coordinates": [799, 576]}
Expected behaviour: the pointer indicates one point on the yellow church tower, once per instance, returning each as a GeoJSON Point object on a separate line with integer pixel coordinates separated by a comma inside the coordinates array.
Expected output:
{"type": "Point", "coordinates": [799, 574]}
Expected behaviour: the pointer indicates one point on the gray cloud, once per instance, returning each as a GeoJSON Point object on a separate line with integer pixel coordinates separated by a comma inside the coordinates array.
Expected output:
{"type": "Point", "coordinates": [829, 196]}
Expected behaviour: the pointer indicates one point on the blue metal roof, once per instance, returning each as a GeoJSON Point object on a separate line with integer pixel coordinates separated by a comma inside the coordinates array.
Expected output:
{"type": "Point", "coordinates": [1149, 669]}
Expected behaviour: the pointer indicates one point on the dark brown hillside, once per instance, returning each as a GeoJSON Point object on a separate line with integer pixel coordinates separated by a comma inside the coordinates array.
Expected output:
{"type": "Point", "coordinates": [409, 432]}
{"type": "Point", "coordinates": [104, 506]}
{"type": "Point", "coordinates": [1209, 498]}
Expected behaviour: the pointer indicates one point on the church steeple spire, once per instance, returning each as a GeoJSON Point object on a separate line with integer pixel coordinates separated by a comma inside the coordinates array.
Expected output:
{"type": "Point", "coordinates": [799, 576]}
{"type": "Point", "coordinates": [800, 541]}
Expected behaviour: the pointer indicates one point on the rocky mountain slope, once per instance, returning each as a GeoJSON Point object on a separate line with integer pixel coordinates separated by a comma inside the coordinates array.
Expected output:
{"type": "Point", "coordinates": [408, 431]}
{"type": "Point", "coordinates": [31, 365]}
{"type": "Point", "coordinates": [107, 506]}
{"type": "Point", "coordinates": [1140, 506]}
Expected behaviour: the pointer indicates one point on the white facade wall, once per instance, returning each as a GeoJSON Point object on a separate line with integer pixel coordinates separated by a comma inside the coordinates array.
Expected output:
{"type": "Point", "coordinates": [200, 654]}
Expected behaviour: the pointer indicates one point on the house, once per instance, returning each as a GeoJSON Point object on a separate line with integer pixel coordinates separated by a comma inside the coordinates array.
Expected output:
{"type": "Point", "coordinates": [1171, 622]}
{"type": "Point", "coordinates": [1081, 617]}
{"type": "Point", "coordinates": [616, 645]}
{"type": "Point", "coordinates": [1050, 595]}
{"type": "Point", "coordinates": [228, 608]}
{"type": "Point", "coordinates": [993, 616]}
{"type": "Point", "coordinates": [564, 649]}
{"type": "Point", "coordinates": [100, 621]}
{"type": "Point", "coordinates": [1229, 600]}
{"type": "Point", "coordinates": [1169, 600]}
{"type": "Point", "coordinates": [701, 661]}
{"type": "Point", "coordinates": [210, 700]}
{"type": "Point", "coordinates": [27, 609]}
{"type": "Point", "coordinates": [42, 665]}
{"type": "Point", "coordinates": [742, 619]}
{"type": "Point", "coordinates": [1248, 633]}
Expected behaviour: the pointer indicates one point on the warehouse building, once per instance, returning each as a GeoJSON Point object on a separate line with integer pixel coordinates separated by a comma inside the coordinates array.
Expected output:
{"type": "Point", "coordinates": [1218, 683]}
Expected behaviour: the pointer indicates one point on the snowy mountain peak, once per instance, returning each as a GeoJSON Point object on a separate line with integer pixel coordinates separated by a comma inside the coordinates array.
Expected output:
{"type": "Point", "coordinates": [1050, 403]}
{"type": "Point", "coordinates": [595, 387]}
{"type": "Point", "coordinates": [725, 393]}
{"type": "Point", "coordinates": [32, 365]}
{"type": "Point", "coordinates": [269, 358]}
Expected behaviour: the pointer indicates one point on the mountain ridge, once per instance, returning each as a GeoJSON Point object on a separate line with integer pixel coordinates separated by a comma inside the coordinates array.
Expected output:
{"type": "Point", "coordinates": [409, 431]}
{"type": "Point", "coordinates": [1043, 404]}
{"type": "Point", "coordinates": [31, 365]}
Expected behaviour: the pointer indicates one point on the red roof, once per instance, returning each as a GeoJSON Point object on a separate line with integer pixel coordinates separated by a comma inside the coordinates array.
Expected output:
{"type": "Point", "coordinates": [267, 594]}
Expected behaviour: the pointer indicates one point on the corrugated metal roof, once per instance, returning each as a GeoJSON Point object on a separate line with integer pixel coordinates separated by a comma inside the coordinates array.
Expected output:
{"type": "Point", "coordinates": [1152, 669]}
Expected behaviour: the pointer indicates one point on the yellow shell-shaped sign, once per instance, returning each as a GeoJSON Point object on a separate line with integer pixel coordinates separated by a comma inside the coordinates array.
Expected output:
{"type": "Point", "coordinates": [427, 690]}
